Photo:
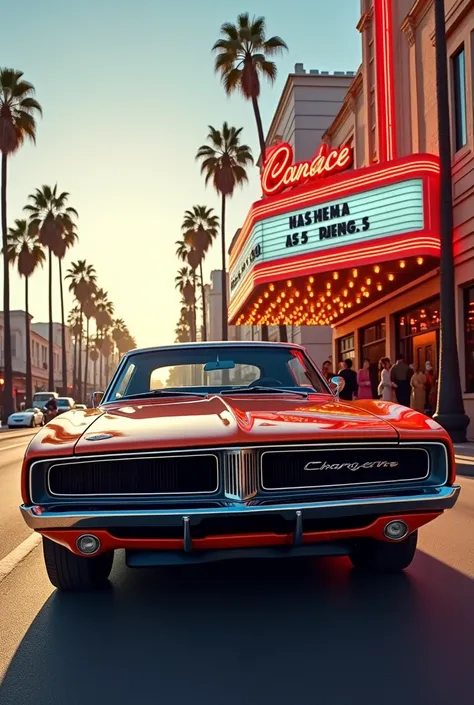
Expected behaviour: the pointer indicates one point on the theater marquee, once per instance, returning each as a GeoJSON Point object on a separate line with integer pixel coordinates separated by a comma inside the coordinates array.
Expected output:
{"type": "Point", "coordinates": [328, 221]}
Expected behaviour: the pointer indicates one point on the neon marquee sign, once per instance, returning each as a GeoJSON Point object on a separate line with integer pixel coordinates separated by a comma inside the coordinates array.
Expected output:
{"type": "Point", "coordinates": [279, 172]}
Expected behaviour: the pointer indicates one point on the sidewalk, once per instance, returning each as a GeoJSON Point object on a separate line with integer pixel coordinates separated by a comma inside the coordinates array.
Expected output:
{"type": "Point", "coordinates": [465, 458]}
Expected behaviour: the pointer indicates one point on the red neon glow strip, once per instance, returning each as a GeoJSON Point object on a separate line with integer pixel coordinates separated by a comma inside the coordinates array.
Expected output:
{"type": "Point", "coordinates": [414, 166]}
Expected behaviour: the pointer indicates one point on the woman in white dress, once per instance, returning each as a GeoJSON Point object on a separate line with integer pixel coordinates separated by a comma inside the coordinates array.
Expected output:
{"type": "Point", "coordinates": [386, 386]}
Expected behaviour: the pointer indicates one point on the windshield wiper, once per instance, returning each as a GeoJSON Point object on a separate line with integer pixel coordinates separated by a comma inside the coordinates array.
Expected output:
{"type": "Point", "coordinates": [268, 390]}
{"type": "Point", "coordinates": [164, 393]}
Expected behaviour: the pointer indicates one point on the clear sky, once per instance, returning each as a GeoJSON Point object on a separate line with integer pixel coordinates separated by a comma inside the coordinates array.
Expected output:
{"type": "Point", "coordinates": [128, 90]}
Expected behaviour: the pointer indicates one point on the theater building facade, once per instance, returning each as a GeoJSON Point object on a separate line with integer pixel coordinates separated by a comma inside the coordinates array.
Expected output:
{"type": "Point", "coordinates": [349, 236]}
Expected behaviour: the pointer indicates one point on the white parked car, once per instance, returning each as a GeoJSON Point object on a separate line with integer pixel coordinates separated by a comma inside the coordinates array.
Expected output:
{"type": "Point", "coordinates": [31, 417]}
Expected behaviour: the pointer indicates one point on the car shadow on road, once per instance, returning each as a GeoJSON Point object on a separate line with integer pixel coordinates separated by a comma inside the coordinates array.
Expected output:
{"type": "Point", "coordinates": [254, 633]}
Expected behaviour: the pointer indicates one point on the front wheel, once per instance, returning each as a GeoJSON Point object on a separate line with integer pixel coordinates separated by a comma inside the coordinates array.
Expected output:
{"type": "Point", "coordinates": [384, 557]}
{"type": "Point", "coordinates": [69, 572]}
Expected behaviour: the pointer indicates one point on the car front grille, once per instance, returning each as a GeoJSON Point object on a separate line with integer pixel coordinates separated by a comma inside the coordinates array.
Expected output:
{"type": "Point", "coordinates": [158, 475]}
{"type": "Point", "coordinates": [339, 467]}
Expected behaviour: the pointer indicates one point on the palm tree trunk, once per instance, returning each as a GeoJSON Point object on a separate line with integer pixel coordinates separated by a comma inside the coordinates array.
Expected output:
{"type": "Point", "coordinates": [29, 384]}
{"type": "Point", "coordinates": [50, 327]}
{"type": "Point", "coordinates": [86, 364]}
{"type": "Point", "coordinates": [95, 375]}
{"type": "Point", "coordinates": [7, 400]}
{"type": "Point", "coordinates": [79, 365]}
{"type": "Point", "coordinates": [203, 300]}
{"type": "Point", "coordinates": [224, 271]}
{"type": "Point", "coordinates": [74, 372]}
{"type": "Point", "coordinates": [450, 407]}
{"type": "Point", "coordinates": [63, 331]}
{"type": "Point", "coordinates": [101, 369]}
{"type": "Point", "coordinates": [194, 307]}
{"type": "Point", "coordinates": [261, 139]}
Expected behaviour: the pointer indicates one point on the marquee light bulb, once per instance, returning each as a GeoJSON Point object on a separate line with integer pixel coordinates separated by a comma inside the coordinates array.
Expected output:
{"type": "Point", "coordinates": [355, 273]}
{"type": "Point", "coordinates": [272, 287]}
{"type": "Point", "coordinates": [311, 280]}
{"type": "Point", "coordinates": [368, 281]}
{"type": "Point", "coordinates": [391, 277]}
{"type": "Point", "coordinates": [357, 300]}
{"type": "Point", "coordinates": [362, 288]}
{"type": "Point", "coordinates": [403, 264]}
{"type": "Point", "coordinates": [345, 292]}
{"type": "Point", "coordinates": [288, 283]}
{"type": "Point", "coordinates": [376, 269]}
{"type": "Point", "coordinates": [328, 285]}
{"type": "Point", "coordinates": [282, 294]}
{"type": "Point", "coordinates": [419, 260]}
{"type": "Point", "coordinates": [379, 287]}
{"type": "Point", "coordinates": [335, 275]}
{"type": "Point", "coordinates": [351, 284]}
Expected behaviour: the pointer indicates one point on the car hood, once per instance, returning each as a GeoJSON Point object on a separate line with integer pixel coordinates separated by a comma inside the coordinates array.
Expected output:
{"type": "Point", "coordinates": [217, 421]}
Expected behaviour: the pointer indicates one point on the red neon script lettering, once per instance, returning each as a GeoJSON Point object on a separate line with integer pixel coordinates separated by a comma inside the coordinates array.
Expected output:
{"type": "Point", "coordinates": [279, 172]}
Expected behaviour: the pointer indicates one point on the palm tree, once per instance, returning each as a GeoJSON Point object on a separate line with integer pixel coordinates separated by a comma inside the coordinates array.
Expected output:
{"type": "Point", "coordinates": [94, 356]}
{"type": "Point", "coordinates": [51, 217]}
{"type": "Point", "coordinates": [185, 282]}
{"type": "Point", "coordinates": [194, 258]}
{"type": "Point", "coordinates": [103, 318]}
{"type": "Point", "coordinates": [75, 328]}
{"type": "Point", "coordinates": [25, 249]}
{"type": "Point", "coordinates": [82, 284]}
{"type": "Point", "coordinates": [243, 57]}
{"type": "Point", "coordinates": [223, 161]}
{"type": "Point", "coordinates": [66, 240]}
{"type": "Point", "coordinates": [17, 123]}
{"type": "Point", "coordinates": [89, 312]}
{"type": "Point", "coordinates": [199, 226]}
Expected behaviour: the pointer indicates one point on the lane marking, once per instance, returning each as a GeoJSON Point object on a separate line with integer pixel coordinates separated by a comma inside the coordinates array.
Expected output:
{"type": "Point", "coordinates": [16, 445]}
{"type": "Point", "coordinates": [15, 557]}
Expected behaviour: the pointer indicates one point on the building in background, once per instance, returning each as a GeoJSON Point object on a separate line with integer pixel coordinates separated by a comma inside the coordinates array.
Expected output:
{"type": "Point", "coordinates": [39, 356]}
{"type": "Point", "coordinates": [351, 239]}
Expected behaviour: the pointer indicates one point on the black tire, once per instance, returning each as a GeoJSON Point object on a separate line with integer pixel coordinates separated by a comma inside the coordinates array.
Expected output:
{"type": "Point", "coordinates": [384, 557]}
{"type": "Point", "coordinates": [69, 572]}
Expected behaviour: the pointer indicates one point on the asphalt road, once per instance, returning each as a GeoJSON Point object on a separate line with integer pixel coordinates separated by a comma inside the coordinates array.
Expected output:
{"type": "Point", "coordinates": [244, 633]}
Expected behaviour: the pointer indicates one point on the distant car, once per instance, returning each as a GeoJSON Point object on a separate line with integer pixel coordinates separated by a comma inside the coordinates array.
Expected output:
{"type": "Point", "coordinates": [245, 452]}
{"type": "Point", "coordinates": [80, 406]}
{"type": "Point", "coordinates": [41, 398]}
{"type": "Point", "coordinates": [31, 417]}
{"type": "Point", "coordinates": [64, 404]}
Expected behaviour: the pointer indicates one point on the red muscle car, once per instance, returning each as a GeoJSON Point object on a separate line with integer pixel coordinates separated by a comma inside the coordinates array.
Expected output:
{"type": "Point", "coordinates": [209, 451]}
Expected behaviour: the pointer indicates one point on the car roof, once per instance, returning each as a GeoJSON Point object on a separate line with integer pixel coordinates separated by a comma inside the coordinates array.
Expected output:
{"type": "Point", "coordinates": [217, 344]}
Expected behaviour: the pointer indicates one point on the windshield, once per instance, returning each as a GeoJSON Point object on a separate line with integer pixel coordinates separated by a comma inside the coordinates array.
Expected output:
{"type": "Point", "coordinates": [215, 369]}
{"type": "Point", "coordinates": [41, 398]}
{"type": "Point", "coordinates": [63, 402]}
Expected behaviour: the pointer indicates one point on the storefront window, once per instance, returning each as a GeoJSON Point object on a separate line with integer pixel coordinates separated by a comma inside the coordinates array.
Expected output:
{"type": "Point", "coordinates": [372, 347]}
{"type": "Point", "coordinates": [459, 86]}
{"type": "Point", "coordinates": [346, 348]}
{"type": "Point", "coordinates": [418, 334]}
{"type": "Point", "coordinates": [469, 337]}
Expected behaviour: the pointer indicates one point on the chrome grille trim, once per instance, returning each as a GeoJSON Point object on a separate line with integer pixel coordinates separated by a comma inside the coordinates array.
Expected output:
{"type": "Point", "coordinates": [240, 473]}
{"type": "Point", "coordinates": [105, 459]}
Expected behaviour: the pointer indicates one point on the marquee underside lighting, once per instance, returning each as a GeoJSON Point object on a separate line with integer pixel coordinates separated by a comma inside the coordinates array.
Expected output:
{"type": "Point", "coordinates": [328, 298]}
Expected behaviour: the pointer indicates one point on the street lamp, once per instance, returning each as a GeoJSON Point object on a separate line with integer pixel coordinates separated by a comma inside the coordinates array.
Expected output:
{"type": "Point", "coordinates": [450, 408]}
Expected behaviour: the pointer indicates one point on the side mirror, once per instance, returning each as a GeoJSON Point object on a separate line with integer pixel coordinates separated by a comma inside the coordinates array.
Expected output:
{"type": "Point", "coordinates": [96, 398]}
{"type": "Point", "coordinates": [339, 383]}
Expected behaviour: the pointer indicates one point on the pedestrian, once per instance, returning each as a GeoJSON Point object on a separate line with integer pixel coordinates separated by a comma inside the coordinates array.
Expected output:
{"type": "Point", "coordinates": [429, 374]}
{"type": "Point", "coordinates": [327, 370]}
{"type": "Point", "coordinates": [363, 381]}
{"type": "Point", "coordinates": [418, 390]}
{"type": "Point", "coordinates": [386, 387]}
{"type": "Point", "coordinates": [349, 393]}
{"type": "Point", "coordinates": [400, 374]}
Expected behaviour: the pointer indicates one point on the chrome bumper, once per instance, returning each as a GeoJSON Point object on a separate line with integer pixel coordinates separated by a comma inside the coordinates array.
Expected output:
{"type": "Point", "coordinates": [432, 500]}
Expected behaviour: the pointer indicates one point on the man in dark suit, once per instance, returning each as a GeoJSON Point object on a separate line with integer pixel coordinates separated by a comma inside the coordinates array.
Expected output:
{"type": "Point", "coordinates": [350, 378]}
